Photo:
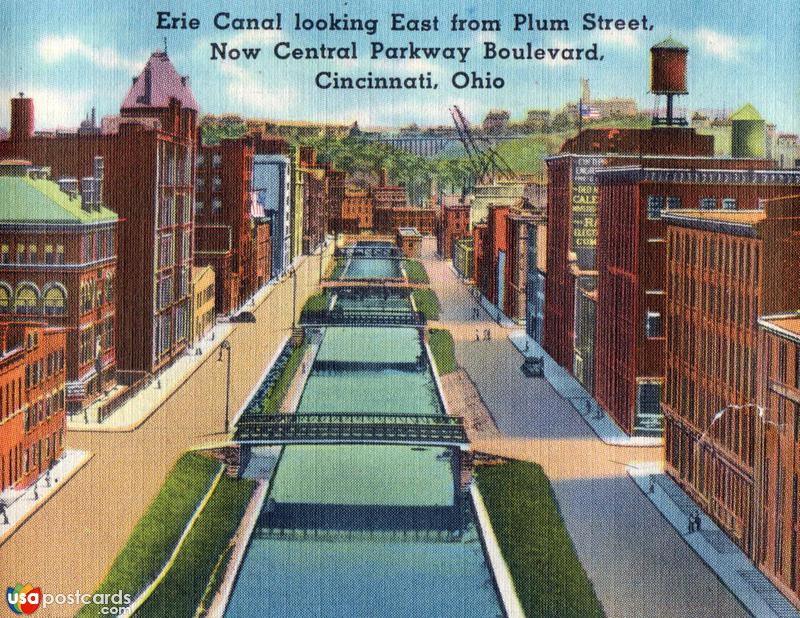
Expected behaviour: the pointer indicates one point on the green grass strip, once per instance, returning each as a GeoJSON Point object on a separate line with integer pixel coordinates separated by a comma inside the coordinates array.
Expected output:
{"type": "Point", "coordinates": [272, 402]}
{"type": "Point", "coordinates": [415, 271]}
{"type": "Point", "coordinates": [443, 349]}
{"type": "Point", "coordinates": [316, 302]}
{"type": "Point", "coordinates": [549, 578]}
{"type": "Point", "coordinates": [155, 536]}
{"type": "Point", "coordinates": [427, 302]}
{"type": "Point", "coordinates": [183, 587]}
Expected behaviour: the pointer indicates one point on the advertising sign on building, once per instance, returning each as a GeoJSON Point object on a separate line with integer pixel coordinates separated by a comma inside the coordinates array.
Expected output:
{"type": "Point", "coordinates": [584, 209]}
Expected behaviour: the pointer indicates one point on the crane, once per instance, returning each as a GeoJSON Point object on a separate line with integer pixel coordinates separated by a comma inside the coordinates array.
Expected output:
{"type": "Point", "coordinates": [484, 160]}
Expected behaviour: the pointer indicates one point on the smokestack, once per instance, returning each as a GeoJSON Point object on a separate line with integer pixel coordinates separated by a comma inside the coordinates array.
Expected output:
{"type": "Point", "coordinates": [21, 118]}
{"type": "Point", "coordinates": [68, 186]}
{"type": "Point", "coordinates": [87, 193]}
{"type": "Point", "coordinates": [98, 172]}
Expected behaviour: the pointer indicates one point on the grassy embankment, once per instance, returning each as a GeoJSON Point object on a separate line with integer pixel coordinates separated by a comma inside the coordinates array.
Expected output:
{"type": "Point", "coordinates": [549, 578]}
{"type": "Point", "coordinates": [415, 271]}
{"type": "Point", "coordinates": [443, 349]}
{"type": "Point", "coordinates": [427, 302]}
{"type": "Point", "coordinates": [155, 536]}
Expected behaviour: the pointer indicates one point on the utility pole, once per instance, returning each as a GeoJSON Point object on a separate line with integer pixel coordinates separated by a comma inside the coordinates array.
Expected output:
{"type": "Point", "coordinates": [226, 346]}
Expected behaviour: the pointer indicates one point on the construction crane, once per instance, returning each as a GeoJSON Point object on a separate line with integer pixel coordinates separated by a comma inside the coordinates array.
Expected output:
{"type": "Point", "coordinates": [484, 160]}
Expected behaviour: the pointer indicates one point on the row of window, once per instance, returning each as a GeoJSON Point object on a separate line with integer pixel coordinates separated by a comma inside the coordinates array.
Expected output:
{"type": "Point", "coordinates": [94, 293]}
{"type": "Point", "coordinates": [656, 203]}
{"type": "Point", "coordinates": [95, 340]}
{"type": "Point", "coordinates": [39, 370]}
{"type": "Point", "coordinates": [216, 205]}
{"type": "Point", "coordinates": [45, 407]}
{"type": "Point", "coordinates": [20, 461]}
{"type": "Point", "coordinates": [733, 257]}
{"type": "Point", "coordinates": [28, 300]}
{"type": "Point", "coordinates": [28, 253]}
{"type": "Point", "coordinates": [97, 246]}
{"type": "Point", "coordinates": [169, 213]}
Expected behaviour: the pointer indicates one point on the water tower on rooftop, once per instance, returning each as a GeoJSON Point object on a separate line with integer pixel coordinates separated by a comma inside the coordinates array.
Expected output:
{"type": "Point", "coordinates": [668, 78]}
{"type": "Point", "coordinates": [748, 134]}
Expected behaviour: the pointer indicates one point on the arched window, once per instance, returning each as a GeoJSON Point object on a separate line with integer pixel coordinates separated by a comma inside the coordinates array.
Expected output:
{"type": "Point", "coordinates": [27, 301]}
{"type": "Point", "coordinates": [55, 301]}
{"type": "Point", "coordinates": [6, 298]}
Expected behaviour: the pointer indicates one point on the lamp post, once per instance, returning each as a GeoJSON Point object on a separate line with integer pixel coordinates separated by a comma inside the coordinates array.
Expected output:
{"type": "Point", "coordinates": [226, 346]}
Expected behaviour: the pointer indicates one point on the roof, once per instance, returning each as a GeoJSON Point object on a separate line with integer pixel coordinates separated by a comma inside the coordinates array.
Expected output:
{"type": "Point", "coordinates": [741, 217]}
{"type": "Point", "coordinates": [408, 231]}
{"type": "Point", "coordinates": [670, 43]}
{"type": "Point", "coordinates": [25, 200]}
{"type": "Point", "coordinates": [746, 112]}
{"type": "Point", "coordinates": [787, 325]}
{"type": "Point", "coordinates": [157, 84]}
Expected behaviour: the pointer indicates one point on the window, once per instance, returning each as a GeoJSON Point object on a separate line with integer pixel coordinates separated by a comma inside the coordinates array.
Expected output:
{"type": "Point", "coordinates": [198, 206]}
{"type": "Point", "coordinates": [49, 255]}
{"type": "Point", "coordinates": [5, 254]}
{"type": "Point", "coordinates": [109, 285]}
{"type": "Point", "coordinates": [5, 298]}
{"type": "Point", "coordinates": [55, 301]}
{"type": "Point", "coordinates": [708, 203]}
{"type": "Point", "coordinates": [673, 202]}
{"type": "Point", "coordinates": [20, 253]}
{"type": "Point", "coordinates": [655, 203]}
{"type": "Point", "coordinates": [729, 203]}
{"type": "Point", "coordinates": [27, 300]}
{"type": "Point", "coordinates": [86, 346]}
{"type": "Point", "coordinates": [216, 204]}
{"type": "Point", "coordinates": [108, 333]}
{"type": "Point", "coordinates": [59, 254]}
{"type": "Point", "coordinates": [653, 326]}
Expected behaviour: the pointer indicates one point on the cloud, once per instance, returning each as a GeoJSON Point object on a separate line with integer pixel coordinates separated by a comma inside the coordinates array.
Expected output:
{"type": "Point", "coordinates": [723, 46]}
{"type": "Point", "coordinates": [246, 91]}
{"type": "Point", "coordinates": [54, 48]}
{"type": "Point", "coordinates": [54, 107]}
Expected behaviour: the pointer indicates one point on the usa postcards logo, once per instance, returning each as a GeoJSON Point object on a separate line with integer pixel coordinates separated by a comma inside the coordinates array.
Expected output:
{"type": "Point", "coordinates": [23, 598]}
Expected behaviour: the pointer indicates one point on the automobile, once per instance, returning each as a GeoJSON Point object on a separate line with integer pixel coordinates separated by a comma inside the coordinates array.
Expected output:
{"type": "Point", "coordinates": [244, 316]}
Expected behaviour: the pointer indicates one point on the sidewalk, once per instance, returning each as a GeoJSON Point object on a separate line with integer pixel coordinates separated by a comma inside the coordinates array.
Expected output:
{"type": "Point", "coordinates": [570, 389]}
{"type": "Point", "coordinates": [138, 408]}
{"type": "Point", "coordinates": [21, 504]}
{"type": "Point", "coordinates": [719, 552]}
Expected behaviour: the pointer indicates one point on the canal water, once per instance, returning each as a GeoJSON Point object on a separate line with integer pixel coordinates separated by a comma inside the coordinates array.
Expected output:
{"type": "Point", "coordinates": [357, 530]}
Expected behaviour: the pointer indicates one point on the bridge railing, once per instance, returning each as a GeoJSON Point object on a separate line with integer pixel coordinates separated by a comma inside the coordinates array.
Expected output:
{"type": "Point", "coordinates": [370, 253]}
{"type": "Point", "coordinates": [364, 318]}
{"type": "Point", "coordinates": [310, 428]}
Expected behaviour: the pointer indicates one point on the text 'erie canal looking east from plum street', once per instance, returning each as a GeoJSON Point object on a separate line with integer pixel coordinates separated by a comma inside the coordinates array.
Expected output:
{"type": "Point", "coordinates": [365, 530]}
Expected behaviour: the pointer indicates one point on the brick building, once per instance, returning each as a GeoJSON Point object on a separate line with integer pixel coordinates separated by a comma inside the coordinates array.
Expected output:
{"type": "Point", "coordinates": [452, 224]}
{"type": "Point", "coordinates": [724, 270]}
{"type": "Point", "coordinates": [356, 212]}
{"type": "Point", "coordinates": [631, 264]}
{"type": "Point", "coordinates": [231, 225]}
{"type": "Point", "coordinates": [777, 463]}
{"type": "Point", "coordinates": [58, 254]}
{"type": "Point", "coordinates": [149, 183]}
{"type": "Point", "coordinates": [272, 186]}
{"type": "Point", "coordinates": [490, 263]}
{"type": "Point", "coordinates": [204, 313]}
{"type": "Point", "coordinates": [32, 401]}
{"type": "Point", "coordinates": [572, 197]}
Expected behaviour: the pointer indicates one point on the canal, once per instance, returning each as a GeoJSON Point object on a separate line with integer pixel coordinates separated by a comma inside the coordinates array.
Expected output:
{"type": "Point", "coordinates": [360, 530]}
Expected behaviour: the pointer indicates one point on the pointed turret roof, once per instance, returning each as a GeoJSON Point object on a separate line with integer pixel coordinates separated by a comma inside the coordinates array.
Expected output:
{"type": "Point", "coordinates": [746, 112]}
{"type": "Point", "coordinates": [669, 43]}
{"type": "Point", "coordinates": [157, 84]}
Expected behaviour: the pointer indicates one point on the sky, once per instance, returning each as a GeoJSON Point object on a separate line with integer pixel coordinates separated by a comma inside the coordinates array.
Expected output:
{"type": "Point", "coordinates": [72, 55]}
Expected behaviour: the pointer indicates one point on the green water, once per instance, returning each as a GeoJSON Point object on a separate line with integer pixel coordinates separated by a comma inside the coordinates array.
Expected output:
{"type": "Point", "coordinates": [376, 492]}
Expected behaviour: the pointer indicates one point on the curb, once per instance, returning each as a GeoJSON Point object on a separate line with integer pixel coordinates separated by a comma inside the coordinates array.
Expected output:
{"type": "Point", "coordinates": [500, 572]}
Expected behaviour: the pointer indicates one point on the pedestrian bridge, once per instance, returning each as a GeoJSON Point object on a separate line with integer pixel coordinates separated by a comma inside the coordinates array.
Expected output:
{"type": "Point", "coordinates": [385, 318]}
{"type": "Point", "coordinates": [409, 429]}
{"type": "Point", "coordinates": [379, 284]}
{"type": "Point", "coordinates": [369, 252]}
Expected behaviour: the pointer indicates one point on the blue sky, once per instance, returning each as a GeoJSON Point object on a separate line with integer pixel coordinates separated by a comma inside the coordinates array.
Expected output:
{"type": "Point", "coordinates": [72, 55]}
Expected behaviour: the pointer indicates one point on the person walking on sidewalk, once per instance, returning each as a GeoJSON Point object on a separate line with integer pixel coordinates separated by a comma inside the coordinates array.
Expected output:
{"type": "Point", "coordinates": [3, 511]}
{"type": "Point", "coordinates": [691, 523]}
{"type": "Point", "coordinates": [697, 521]}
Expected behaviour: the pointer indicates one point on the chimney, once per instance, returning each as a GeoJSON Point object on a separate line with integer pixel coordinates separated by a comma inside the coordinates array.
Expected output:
{"type": "Point", "coordinates": [69, 186]}
{"type": "Point", "coordinates": [21, 118]}
{"type": "Point", "coordinates": [87, 193]}
{"type": "Point", "coordinates": [98, 172]}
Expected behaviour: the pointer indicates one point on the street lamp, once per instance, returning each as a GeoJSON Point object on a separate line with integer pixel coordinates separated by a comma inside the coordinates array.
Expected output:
{"type": "Point", "coordinates": [226, 346]}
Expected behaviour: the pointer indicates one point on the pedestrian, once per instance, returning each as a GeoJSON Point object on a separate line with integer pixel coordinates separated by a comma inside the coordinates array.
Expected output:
{"type": "Point", "coordinates": [3, 511]}
{"type": "Point", "coordinates": [588, 407]}
{"type": "Point", "coordinates": [697, 521]}
{"type": "Point", "coordinates": [36, 490]}
{"type": "Point", "coordinates": [691, 523]}
{"type": "Point", "coordinates": [527, 344]}
{"type": "Point", "coordinates": [477, 335]}
{"type": "Point", "coordinates": [652, 487]}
